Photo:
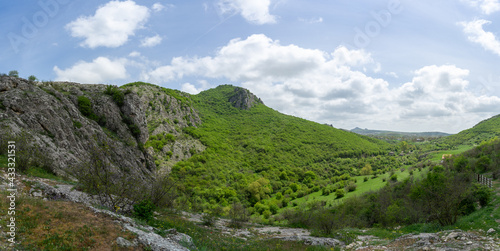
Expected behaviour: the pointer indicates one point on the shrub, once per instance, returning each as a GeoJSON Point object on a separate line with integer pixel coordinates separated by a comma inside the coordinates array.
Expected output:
{"type": "Point", "coordinates": [483, 194]}
{"type": "Point", "coordinates": [365, 179]}
{"type": "Point", "coordinates": [351, 187]}
{"type": "Point", "coordinates": [339, 193]}
{"type": "Point", "coordinates": [32, 78]}
{"type": "Point", "coordinates": [238, 215]}
{"type": "Point", "coordinates": [267, 214]}
{"type": "Point", "coordinates": [14, 73]}
{"type": "Point", "coordinates": [77, 124]}
{"type": "Point", "coordinates": [394, 177]}
{"type": "Point", "coordinates": [85, 106]}
{"type": "Point", "coordinates": [117, 95]}
{"type": "Point", "coordinates": [144, 209]}
{"type": "Point", "coordinates": [116, 191]}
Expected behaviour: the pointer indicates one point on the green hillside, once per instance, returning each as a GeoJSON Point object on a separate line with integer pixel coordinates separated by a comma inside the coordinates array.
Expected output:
{"type": "Point", "coordinates": [255, 153]}
{"type": "Point", "coordinates": [484, 130]}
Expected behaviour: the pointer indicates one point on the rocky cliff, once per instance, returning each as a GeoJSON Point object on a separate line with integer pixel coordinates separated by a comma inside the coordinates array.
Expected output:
{"type": "Point", "coordinates": [50, 114]}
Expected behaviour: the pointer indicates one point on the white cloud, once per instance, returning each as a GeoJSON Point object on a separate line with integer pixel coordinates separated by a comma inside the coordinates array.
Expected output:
{"type": "Point", "coordinates": [487, 6]}
{"type": "Point", "coordinates": [331, 88]}
{"type": "Point", "coordinates": [192, 89]}
{"type": "Point", "coordinates": [151, 41]}
{"type": "Point", "coordinates": [134, 54]}
{"type": "Point", "coordinates": [304, 82]}
{"type": "Point", "coordinates": [255, 11]}
{"type": "Point", "coordinates": [158, 7]}
{"type": "Point", "coordinates": [100, 70]}
{"type": "Point", "coordinates": [475, 33]}
{"type": "Point", "coordinates": [111, 25]}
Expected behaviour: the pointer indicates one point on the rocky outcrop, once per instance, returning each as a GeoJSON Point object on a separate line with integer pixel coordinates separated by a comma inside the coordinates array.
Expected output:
{"type": "Point", "coordinates": [169, 112]}
{"type": "Point", "coordinates": [244, 99]}
{"type": "Point", "coordinates": [49, 113]}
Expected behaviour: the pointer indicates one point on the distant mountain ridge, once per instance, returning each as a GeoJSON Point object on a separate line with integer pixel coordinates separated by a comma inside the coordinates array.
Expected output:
{"type": "Point", "coordinates": [396, 133]}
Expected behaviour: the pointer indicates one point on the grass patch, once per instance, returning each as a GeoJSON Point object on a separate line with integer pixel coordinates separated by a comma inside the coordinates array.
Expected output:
{"type": "Point", "coordinates": [436, 156]}
{"type": "Point", "coordinates": [42, 173]}
{"type": "Point", "coordinates": [60, 225]}
{"type": "Point", "coordinates": [362, 186]}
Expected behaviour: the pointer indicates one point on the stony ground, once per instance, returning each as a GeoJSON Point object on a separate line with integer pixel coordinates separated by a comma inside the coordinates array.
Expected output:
{"type": "Point", "coordinates": [48, 190]}
{"type": "Point", "coordinates": [447, 240]}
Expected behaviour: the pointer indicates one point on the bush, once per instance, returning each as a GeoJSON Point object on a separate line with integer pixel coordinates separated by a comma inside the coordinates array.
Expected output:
{"type": "Point", "coordinates": [365, 179]}
{"type": "Point", "coordinates": [144, 209]}
{"type": "Point", "coordinates": [394, 177]}
{"type": "Point", "coordinates": [14, 73]}
{"type": "Point", "coordinates": [117, 95]}
{"type": "Point", "coordinates": [85, 106]}
{"type": "Point", "coordinates": [32, 78]}
{"type": "Point", "coordinates": [114, 190]}
{"type": "Point", "coordinates": [351, 187]}
{"type": "Point", "coordinates": [209, 219]}
{"type": "Point", "coordinates": [238, 215]}
{"type": "Point", "coordinates": [339, 193]}
{"type": "Point", "coordinates": [483, 194]}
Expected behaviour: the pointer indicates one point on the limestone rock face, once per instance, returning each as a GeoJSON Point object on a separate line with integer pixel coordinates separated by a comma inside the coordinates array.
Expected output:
{"type": "Point", "coordinates": [244, 99]}
{"type": "Point", "coordinates": [49, 113]}
{"type": "Point", "coordinates": [168, 112]}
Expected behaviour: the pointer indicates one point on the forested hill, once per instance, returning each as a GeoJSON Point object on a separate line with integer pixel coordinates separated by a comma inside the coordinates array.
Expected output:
{"type": "Point", "coordinates": [483, 131]}
{"type": "Point", "coordinates": [254, 151]}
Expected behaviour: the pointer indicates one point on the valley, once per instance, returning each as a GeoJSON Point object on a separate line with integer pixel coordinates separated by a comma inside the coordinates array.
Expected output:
{"type": "Point", "coordinates": [234, 165]}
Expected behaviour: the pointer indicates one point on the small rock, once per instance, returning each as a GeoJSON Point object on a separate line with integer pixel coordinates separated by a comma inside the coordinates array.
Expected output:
{"type": "Point", "coordinates": [122, 242]}
{"type": "Point", "coordinates": [491, 230]}
{"type": "Point", "coordinates": [469, 243]}
{"type": "Point", "coordinates": [37, 194]}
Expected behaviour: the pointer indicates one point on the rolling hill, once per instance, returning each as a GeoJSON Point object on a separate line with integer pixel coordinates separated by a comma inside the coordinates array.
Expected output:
{"type": "Point", "coordinates": [248, 151]}
{"type": "Point", "coordinates": [484, 130]}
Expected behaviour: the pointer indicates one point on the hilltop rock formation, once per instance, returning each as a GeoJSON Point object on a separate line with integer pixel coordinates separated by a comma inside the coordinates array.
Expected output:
{"type": "Point", "coordinates": [244, 99]}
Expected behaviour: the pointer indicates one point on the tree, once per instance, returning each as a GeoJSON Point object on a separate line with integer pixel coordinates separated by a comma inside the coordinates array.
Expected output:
{"type": "Point", "coordinates": [99, 177]}
{"type": "Point", "coordinates": [366, 170]}
{"type": "Point", "coordinates": [13, 73]}
{"type": "Point", "coordinates": [442, 193]}
{"type": "Point", "coordinates": [403, 146]}
{"type": "Point", "coordinates": [32, 78]}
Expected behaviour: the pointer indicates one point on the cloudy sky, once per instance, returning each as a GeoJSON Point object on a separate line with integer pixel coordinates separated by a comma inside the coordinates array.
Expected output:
{"type": "Point", "coordinates": [385, 64]}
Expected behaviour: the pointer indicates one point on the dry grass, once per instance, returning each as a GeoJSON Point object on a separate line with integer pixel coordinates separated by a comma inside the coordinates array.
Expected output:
{"type": "Point", "coordinates": [61, 225]}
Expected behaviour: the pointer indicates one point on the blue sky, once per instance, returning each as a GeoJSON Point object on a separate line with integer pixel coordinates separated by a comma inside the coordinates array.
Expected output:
{"type": "Point", "coordinates": [393, 64]}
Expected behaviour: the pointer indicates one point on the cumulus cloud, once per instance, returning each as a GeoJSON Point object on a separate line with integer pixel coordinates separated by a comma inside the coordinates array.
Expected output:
{"type": "Point", "coordinates": [111, 25]}
{"type": "Point", "coordinates": [255, 11]}
{"type": "Point", "coordinates": [295, 80]}
{"type": "Point", "coordinates": [476, 34]}
{"type": "Point", "coordinates": [192, 89]}
{"type": "Point", "coordinates": [151, 41]}
{"type": "Point", "coordinates": [158, 7]}
{"type": "Point", "coordinates": [486, 6]}
{"type": "Point", "coordinates": [100, 70]}
{"type": "Point", "coordinates": [333, 87]}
